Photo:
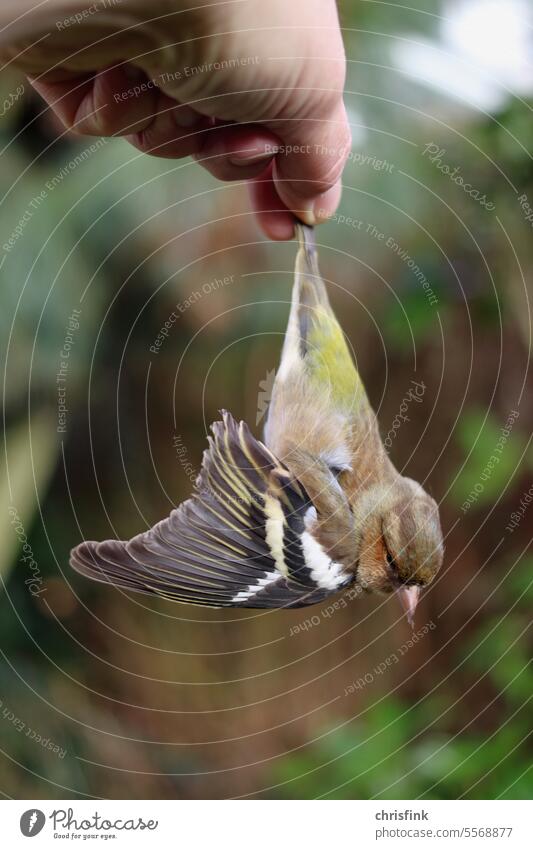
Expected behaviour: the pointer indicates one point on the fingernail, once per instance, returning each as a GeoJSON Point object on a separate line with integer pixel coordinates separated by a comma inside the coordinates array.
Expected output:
{"type": "Point", "coordinates": [251, 157]}
{"type": "Point", "coordinates": [325, 204]}
{"type": "Point", "coordinates": [185, 117]}
{"type": "Point", "coordinates": [307, 216]}
{"type": "Point", "coordinates": [313, 212]}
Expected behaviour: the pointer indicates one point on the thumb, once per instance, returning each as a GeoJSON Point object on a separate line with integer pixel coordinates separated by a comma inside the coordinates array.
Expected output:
{"type": "Point", "coordinates": [310, 161]}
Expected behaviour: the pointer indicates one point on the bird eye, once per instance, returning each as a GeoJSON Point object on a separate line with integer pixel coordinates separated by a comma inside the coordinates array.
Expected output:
{"type": "Point", "coordinates": [391, 562]}
{"type": "Point", "coordinates": [337, 461]}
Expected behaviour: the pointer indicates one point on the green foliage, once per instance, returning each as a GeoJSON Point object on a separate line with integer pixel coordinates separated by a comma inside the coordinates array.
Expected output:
{"type": "Point", "coordinates": [432, 749]}
{"type": "Point", "coordinates": [410, 322]}
{"type": "Point", "coordinates": [25, 470]}
{"type": "Point", "coordinates": [492, 457]}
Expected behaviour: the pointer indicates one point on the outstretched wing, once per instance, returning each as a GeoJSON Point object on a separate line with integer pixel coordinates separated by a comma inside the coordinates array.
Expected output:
{"type": "Point", "coordinates": [242, 540]}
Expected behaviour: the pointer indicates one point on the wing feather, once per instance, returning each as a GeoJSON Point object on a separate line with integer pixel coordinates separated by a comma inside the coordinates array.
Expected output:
{"type": "Point", "coordinates": [236, 543]}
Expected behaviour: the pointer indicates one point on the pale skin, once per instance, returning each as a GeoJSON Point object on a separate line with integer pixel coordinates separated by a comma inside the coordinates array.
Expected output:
{"type": "Point", "coordinates": [251, 89]}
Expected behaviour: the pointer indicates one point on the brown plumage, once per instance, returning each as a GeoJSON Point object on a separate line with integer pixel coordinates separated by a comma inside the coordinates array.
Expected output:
{"type": "Point", "coordinates": [291, 521]}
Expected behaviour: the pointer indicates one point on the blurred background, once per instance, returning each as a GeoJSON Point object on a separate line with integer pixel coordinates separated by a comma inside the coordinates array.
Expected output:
{"type": "Point", "coordinates": [107, 400]}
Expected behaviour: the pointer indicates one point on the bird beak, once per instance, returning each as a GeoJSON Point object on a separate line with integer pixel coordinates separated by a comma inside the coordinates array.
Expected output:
{"type": "Point", "coordinates": [409, 599]}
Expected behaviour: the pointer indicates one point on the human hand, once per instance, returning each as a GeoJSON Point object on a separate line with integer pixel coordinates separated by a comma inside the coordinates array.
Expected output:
{"type": "Point", "coordinates": [252, 90]}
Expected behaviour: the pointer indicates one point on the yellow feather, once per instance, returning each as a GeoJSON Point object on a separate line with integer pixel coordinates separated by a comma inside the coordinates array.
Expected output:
{"type": "Point", "coordinates": [315, 347]}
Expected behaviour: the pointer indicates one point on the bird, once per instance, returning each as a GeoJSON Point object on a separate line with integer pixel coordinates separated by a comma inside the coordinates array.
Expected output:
{"type": "Point", "coordinates": [288, 521]}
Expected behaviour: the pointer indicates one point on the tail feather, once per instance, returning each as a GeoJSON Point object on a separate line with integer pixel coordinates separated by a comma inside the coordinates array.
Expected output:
{"type": "Point", "coordinates": [309, 292]}
{"type": "Point", "coordinates": [309, 298]}
{"type": "Point", "coordinates": [317, 380]}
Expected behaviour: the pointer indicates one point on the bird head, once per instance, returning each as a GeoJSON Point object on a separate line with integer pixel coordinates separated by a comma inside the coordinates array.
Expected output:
{"type": "Point", "coordinates": [401, 547]}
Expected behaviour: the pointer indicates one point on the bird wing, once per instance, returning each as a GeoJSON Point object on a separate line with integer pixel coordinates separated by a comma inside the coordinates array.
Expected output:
{"type": "Point", "coordinates": [242, 540]}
